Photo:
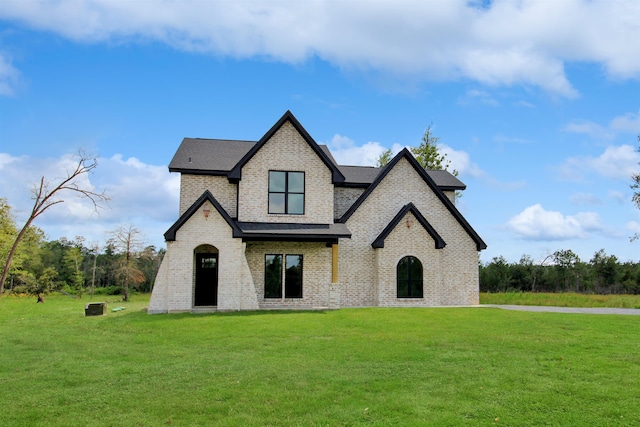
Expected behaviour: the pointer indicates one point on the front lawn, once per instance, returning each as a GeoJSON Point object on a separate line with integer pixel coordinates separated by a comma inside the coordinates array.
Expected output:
{"type": "Point", "coordinates": [440, 366]}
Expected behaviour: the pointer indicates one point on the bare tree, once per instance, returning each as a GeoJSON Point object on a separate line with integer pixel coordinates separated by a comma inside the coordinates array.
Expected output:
{"type": "Point", "coordinates": [47, 194]}
{"type": "Point", "coordinates": [129, 242]}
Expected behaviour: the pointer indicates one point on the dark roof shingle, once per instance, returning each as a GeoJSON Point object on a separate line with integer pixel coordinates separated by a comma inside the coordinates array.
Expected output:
{"type": "Point", "coordinates": [220, 156]}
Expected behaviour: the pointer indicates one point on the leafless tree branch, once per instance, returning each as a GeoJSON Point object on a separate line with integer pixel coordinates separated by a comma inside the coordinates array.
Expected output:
{"type": "Point", "coordinates": [46, 194]}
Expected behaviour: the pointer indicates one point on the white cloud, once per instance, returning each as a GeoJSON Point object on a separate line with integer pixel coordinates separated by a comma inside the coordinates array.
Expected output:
{"type": "Point", "coordinates": [9, 76]}
{"type": "Point", "coordinates": [629, 122]}
{"type": "Point", "coordinates": [461, 161]}
{"type": "Point", "coordinates": [524, 104]}
{"type": "Point", "coordinates": [346, 152]}
{"type": "Point", "coordinates": [510, 139]}
{"type": "Point", "coordinates": [141, 194]}
{"type": "Point", "coordinates": [536, 223]}
{"type": "Point", "coordinates": [619, 196]}
{"type": "Point", "coordinates": [616, 162]}
{"type": "Point", "coordinates": [585, 199]}
{"type": "Point", "coordinates": [633, 226]}
{"type": "Point", "coordinates": [591, 129]}
{"type": "Point", "coordinates": [412, 39]}
{"type": "Point", "coordinates": [480, 96]}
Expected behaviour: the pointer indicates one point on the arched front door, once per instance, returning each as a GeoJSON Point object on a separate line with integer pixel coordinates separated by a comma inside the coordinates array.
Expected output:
{"type": "Point", "coordinates": [206, 289]}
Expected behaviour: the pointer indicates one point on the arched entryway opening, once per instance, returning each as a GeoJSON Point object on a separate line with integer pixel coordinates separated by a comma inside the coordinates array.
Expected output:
{"type": "Point", "coordinates": [206, 276]}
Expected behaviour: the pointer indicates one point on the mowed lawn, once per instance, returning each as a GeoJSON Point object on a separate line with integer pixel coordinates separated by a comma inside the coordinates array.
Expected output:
{"type": "Point", "coordinates": [439, 366]}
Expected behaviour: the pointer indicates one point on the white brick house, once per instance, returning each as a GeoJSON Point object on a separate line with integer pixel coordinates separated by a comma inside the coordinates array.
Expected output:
{"type": "Point", "coordinates": [278, 223]}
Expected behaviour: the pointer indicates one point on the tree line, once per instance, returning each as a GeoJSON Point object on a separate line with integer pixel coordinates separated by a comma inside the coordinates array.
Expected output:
{"type": "Point", "coordinates": [118, 266]}
{"type": "Point", "coordinates": [561, 271]}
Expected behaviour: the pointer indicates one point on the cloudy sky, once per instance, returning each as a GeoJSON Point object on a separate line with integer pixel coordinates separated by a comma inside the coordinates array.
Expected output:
{"type": "Point", "coordinates": [537, 103]}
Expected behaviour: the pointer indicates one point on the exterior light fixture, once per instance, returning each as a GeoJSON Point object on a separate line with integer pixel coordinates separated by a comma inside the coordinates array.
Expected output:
{"type": "Point", "coordinates": [206, 212]}
{"type": "Point", "coordinates": [409, 222]}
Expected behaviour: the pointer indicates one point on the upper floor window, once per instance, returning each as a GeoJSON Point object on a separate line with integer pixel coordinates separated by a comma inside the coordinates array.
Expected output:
{"type": "Point", "coordinates": [286, 192]}
{"type": "Point", "coordinates": [409, 277]}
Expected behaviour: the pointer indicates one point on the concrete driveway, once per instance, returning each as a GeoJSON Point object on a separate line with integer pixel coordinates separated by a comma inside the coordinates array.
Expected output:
{"type": "Point", "coordinates": [627, 311]}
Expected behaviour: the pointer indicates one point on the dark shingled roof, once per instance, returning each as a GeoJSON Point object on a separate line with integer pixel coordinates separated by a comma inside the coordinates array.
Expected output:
{"type": "Point", "coordinates": [293, 232]}
{"type": "Point", "coordinates": [208, 156]}
{"type": "Point", "coordinates": [445, 180]}
{"type": "Point", "coordinates": [219, 156]}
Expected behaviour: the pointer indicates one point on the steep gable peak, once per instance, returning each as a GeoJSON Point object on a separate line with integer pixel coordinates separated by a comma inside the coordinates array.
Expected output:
{"type": "Point", "coordinates": [235, 174]}
{"type": "Point", "coordinates": [406, 154]}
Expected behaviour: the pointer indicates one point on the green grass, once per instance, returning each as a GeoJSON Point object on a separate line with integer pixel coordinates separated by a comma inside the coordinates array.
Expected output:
{"type": "Point", "coordinates": [441, 366]}
{"type": "Point", "coordinates": [565, 299]}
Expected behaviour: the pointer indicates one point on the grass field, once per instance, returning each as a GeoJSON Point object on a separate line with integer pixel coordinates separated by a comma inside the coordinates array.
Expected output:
{"type": "Point", "coordinates": [440, 366]}
{"type": "Point", "coordinates": [565, 299]}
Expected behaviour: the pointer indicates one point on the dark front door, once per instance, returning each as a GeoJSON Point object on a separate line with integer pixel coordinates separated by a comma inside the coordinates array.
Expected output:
{"type": "Point", "coordinates": [206, 280]}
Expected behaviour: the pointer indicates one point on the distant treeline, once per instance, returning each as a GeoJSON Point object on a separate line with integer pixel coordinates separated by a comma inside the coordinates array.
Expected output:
{"type": "Point", "coordinates": [70, 266]}
{"type": "Point", "coordinates": [562, 271]}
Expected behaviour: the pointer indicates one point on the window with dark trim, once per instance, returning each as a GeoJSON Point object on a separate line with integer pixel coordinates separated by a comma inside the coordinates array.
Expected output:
{"type": "Point", "coordinates": [409, 278]}
{"type": "Point", "coordinates": [293, 277]}
{"type": "Point", "coordinates": [273, 276]}
{"type": "Point", "coordinates": [286, 192]}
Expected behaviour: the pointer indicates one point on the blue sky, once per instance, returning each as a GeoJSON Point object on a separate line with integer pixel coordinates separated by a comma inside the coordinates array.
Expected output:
{"type": "Point", "coordinates": [536, 103]}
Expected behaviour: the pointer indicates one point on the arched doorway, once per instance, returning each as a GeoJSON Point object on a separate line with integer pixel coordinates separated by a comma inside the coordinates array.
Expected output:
{"type": "Point", "coordinates": [206, 276]}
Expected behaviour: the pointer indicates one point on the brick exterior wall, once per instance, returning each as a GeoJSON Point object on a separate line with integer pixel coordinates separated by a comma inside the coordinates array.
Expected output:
{"type": "Point", "coordinates": [343, 198]}
{"type": "Point", "coordinates": [286, 151]}
{"type": "Point", "coordinates": [192, 187]}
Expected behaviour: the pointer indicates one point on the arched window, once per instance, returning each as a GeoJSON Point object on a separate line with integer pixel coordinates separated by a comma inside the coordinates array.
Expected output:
{"type": "Point", "coordinates": [409, 277]}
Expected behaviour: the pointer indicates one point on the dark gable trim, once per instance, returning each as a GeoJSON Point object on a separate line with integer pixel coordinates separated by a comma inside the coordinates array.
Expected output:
{"type": "Point", "coordinates": [451, 188]}
{"type": "Point", "coordinates": [379, 242]}
{"type": "Point", "coordinates": [170, 235]}
{"type": "Point", "coordinates": [235, 174]}
{"type": "Point", "coordinates": [405, 153]}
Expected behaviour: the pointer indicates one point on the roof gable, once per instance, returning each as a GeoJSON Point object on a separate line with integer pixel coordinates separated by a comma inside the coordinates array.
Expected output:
{"type": "Point", "coordinates": [170, 235]}
{"type": "Point", "coordinates": [410, 207]}
{"type": "Point", "coordinates": [236, 173]}
{"type": "Point", "coordinates": [406, 154]}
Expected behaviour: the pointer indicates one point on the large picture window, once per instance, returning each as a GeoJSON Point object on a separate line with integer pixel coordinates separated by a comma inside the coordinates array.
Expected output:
{"type": "Point", "coordinates": [286, 192]}
{"type": "Point", "coordinates": [293, 277]}
{"type": "Point", "coordinates": [409, 277]}
{"type": "Point", "coordinates": [273, 276]}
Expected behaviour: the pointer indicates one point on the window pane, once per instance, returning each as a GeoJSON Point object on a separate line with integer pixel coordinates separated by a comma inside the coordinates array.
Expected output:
{"type": "Point", "coordinates": [277, 181]}
{"type": "Point", "coordinates": [273, 276]}
{"type": "Point", "coordinates": [208, 262]}
{"type": "Point", "coordinates": [293, 277]}
{"type": "Point", "coordinates": [409, 278]}
{"type": "Point", "coordinates": [415, 275]}
{"type": "Point", "coordinates": [403, 288]}
{"type": "Point", "coordinates": [296, 204]}
{"type": "Point", "coordinates": [416, 269]}
{"type": "Point", "coordinates": [296, 182]}
{"type": "Point", "coordinates": [276, 203]}
{"type": "Point", "coordinates": [403, 269]}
